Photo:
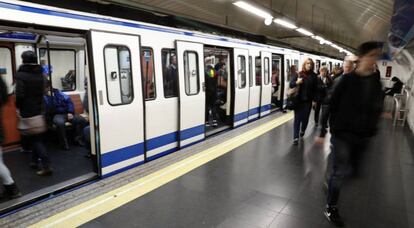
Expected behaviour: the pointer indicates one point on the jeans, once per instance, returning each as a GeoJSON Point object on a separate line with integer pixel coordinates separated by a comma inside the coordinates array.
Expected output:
{"type": "Point", "coordinates": [5, 175]}
{"type": "Point", "coordinates": [38, 150]}
{"type": "Point", "coordinates": [324, 120]}
{"type": "Point", "coordinates": [87, 137]}
{"type": "Point", "coordinates": [317, 111]}
{"type": "Point", "coordinates": [302, 112]}
{"type": "Point", "coordinates": [78, 123]}
{"type": "Point", "coordinates": [347, 150]}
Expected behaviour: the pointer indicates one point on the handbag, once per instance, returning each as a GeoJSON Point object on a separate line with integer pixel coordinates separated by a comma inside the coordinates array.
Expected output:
{"type": "Point", "coordinates": [32, 125]}
{"type": "Point", "coordinates": [292, 98]}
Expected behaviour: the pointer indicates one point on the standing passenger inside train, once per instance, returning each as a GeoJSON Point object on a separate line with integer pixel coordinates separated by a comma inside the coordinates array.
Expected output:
{"type": "Point", "coordinates": [306, 84]}
{"type": "Point", "coordinates": [211, 97]}
{"type": "Point", "coordinates": [60, 109]}
{"type": "Point", "coordinates": [10, 188]}
{"type": "Point", "coordinates": [29, 102]}
{"type": "Point", "coordinates": [355, 106]}
{"type": "Point", "coordinates": [171, 78]}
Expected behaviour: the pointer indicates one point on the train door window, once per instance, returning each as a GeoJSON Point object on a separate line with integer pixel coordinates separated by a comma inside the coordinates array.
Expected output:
{"type": "Point", "coordinates": [118, 74]}
{"type": "Point", "coordinates": [241, 71]}
{"type": "Point", "coordinates": [6, 69]}
{"type": "Point", "coordinates": [258, 69]}
{"type": "Point", "coordinates": [148, 73]}
{"type": "Point", "coordinates": [62, 67]}
{"type": "Point", "coordinates": [266, 71]}
{"type": "Point", "coordinates": [330, 67]}
{"type": "Point", "coordinates": [251, 71]}
{"type": "Point", "coordinates": [191, 74]}
{"type": "Point", "coordinates": [170, 72]}
{"type": "Point", "coordinates": [317, 66]}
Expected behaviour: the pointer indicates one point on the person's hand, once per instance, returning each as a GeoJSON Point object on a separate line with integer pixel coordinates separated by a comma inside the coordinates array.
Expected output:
{"type": "Point", "coordinates": [299, 81]}
{"type": "Point", "coordinates": [70, 116]}
{"type": "Point", "coordinates": [319, 141]}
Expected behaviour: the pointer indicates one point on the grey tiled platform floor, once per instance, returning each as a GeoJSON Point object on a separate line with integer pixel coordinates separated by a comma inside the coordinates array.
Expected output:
{"type": "Point", "coordinates": [269, 183]}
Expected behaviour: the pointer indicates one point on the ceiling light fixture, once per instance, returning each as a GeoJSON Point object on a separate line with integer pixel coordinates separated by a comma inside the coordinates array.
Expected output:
{"type": "Point", "coordinates": [252, 9]}
{"type": "Point", "coordinates": [304, 32]}
{"type": "Point", "coordinates": [268, 21]}
{"type": "Point", "coordinates": [285, 23]}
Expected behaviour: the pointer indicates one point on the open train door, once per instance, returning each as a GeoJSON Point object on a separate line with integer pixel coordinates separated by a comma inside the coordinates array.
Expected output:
{"type": "Point", "coordinates": [116, 73]}
{"type": "Point", "coordinates": [241, 96]}
{"type": "Point", "coordinates": [266, 84]}
{"type": "Point", "coordinates": [191, 85]}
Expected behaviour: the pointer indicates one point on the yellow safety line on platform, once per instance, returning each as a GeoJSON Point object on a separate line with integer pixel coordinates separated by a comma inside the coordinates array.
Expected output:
{"type": "Point", "coordinates": [109, 201]}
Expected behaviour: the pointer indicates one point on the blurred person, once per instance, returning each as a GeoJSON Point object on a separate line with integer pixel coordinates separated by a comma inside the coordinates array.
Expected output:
{"type": "Point", "coordinates": [211, 97]}
{"type": "Point", "coordinates": [306, 84]}
{"type": "Point", "coordinates": [324, 84]}
{"type": "Point", "coordinates": [396, 87]}
{"type": "Point", "coordinates": [10, 188]}
{"type": "Point", "coordinates": [29, 101]}
{"type": "Point", "coordinates": [355, 106]}
{"type": "Point", "coordinates": [60, 109]}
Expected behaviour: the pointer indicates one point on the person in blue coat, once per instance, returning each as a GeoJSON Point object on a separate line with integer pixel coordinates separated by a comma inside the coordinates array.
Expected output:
{"type": "Point", "coordinates": [60, 109]}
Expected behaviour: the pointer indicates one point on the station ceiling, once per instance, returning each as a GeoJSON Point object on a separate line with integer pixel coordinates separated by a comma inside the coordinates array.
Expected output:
{"type": "Point", "coordinates": [345, 22]}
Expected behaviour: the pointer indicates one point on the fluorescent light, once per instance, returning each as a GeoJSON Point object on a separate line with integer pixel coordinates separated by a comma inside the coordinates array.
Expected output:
{"type": "Point", "coordinates": [328, 42]}
{"type": "Point", "coordinates": [268, 21]}
{"type": "Point", "coordinates": [304, 32]}
{"type": "Point", "coordinates": [252, 9]}
{"type": "Point", "coordinates": [285, 23]}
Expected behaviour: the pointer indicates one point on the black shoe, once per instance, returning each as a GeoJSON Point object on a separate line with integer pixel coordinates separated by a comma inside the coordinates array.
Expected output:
{"type": "Point", "coordinates": [295, 141]}
{"type": "Point", "coordinates": [12, 191]}
{"type": "Point", "coordinates": [332, 214]}
{"type": "Point", "coordinates": [45, 172]}
{"type": "Point", "coordinates": [302, 133]}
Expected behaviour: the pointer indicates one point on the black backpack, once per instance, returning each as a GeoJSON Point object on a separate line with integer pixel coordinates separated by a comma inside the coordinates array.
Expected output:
{"type": "Point", "coordinates": [3, 92]}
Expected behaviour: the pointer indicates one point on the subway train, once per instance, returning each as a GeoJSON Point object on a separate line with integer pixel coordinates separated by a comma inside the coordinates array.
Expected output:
{"type": "Point", "coordinates": [152, 90]}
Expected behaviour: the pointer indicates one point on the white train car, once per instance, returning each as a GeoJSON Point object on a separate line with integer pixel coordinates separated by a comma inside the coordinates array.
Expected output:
{"type": "Point", "coordinates": [148, 85]}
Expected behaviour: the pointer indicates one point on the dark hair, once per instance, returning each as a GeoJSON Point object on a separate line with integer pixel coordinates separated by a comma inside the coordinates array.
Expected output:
{"type": "Point", "coordinates": [47, 83]}
{"type": "Point", "coordinates": [366, 47]}
{"type": "Point", "coordinates": [29, 57]}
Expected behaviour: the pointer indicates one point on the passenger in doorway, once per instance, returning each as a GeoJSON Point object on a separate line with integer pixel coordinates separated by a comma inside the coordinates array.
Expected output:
{"type": "Point", "coordinates": [60, 109]}
{"type": "Point", "coordinates": [396, 87]}
{"type": "Point", "coordinates": [355, 106]}
{"type": "Point", "coordinates": [10, 188]}
{"type": "Point", "coordinates": [211, 97]}
{"type": "Point", "coordinates": [29, 101]}
{"type": "Point", "coordinates": [324, 86]}
{"type": "Point", "coordinates": [275, 84]}
{"type": "Point", "coordinates": [306, 82]}
{"type": "Point", "coordinates": [171, 79]}
{"type": "Point", "coordinates": [324, 82]}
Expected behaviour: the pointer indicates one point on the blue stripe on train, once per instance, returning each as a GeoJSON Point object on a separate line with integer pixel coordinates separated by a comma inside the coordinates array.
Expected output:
{"type": "Point", "coordinates": [162, 140]}
{"type": "Point", "coordinates": [191, 132]}
{"type": "Point", "coordinates": [122, 154]}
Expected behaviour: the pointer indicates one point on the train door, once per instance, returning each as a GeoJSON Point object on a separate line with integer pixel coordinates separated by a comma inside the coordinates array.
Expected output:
{"type": "Point", "coordinates": [255, 86]}
{"type": "Point", "coordinates": [266, 95]}
{"type": "Point", "coordinates": [191, 92]}
{"type": "Point", "coordinates": [116, 67]}
{"type": "Point", "coordinates": [241, 96]}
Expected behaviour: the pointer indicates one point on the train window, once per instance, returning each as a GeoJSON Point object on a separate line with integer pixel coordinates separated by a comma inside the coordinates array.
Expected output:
{"type": "Point", "coordinates": [258, 69]}
{"type": "Point", "coordinates": [148, 73]}
{"type": "Point", "coordinates": [118, 74]}
{"type": "Point", "coordinates": [266, 71]}
{"type": "Point", "coordinates": [6, 69]}
{"type": "Point", "coordinates": [170, 72]}
{"type": "Point", "coordinates": [296, 63]}
{"type": "Point", "coordinates": [241, 71]}
{"type": "Point", "coordinates": [250, 71]}
{"type": "Point", "coordinates": [62, 67]}
{"type": "Point", "coordinates": [191, 74]}
{"type": "Point", "coordinates": [288, 73]}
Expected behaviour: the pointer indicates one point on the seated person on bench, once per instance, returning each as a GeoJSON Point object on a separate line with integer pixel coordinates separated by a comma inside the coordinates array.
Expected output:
{"type": "Point", "coordinates": [60, 109]}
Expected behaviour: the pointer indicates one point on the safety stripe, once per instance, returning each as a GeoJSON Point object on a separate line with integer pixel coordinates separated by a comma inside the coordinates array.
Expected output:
{"type": "Point", "coordinates": [122, 154]}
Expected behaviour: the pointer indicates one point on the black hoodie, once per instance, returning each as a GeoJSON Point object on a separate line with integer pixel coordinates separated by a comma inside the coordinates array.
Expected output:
{"type": "Point", "coordinates": [355, 105]}
{"type": "Point", "coordinates": [29, 90]}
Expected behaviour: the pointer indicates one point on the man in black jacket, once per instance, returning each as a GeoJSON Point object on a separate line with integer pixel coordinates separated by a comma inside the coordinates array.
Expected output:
{"type": "Point", "coordinates": [355, 106]}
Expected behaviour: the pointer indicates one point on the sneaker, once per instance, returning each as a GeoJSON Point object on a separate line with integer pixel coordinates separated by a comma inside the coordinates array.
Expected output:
{"type": "Point", "coordinates": [332, 214]}
{"type": "Point", "coordinates": [45, 172]}
{"type": "Point", "coordinates": [302, 133]}
{"type": "Point", "coordinates": [295, 141]}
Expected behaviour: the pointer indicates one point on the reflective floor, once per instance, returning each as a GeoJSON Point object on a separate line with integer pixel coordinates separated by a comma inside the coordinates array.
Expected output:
{"type": "Point", "coordinates": [270, 183]}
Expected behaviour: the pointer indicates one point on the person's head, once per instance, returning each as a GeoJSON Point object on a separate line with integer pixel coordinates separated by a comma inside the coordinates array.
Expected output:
{"type": "Point", "coordinates": [368, 54]}
{"type": "Point", "coordinates": [293, 69]}
{"type": "Point", "coordinates": [323, 71]}
{"type": "Point", "coordinates": [29, 57]}
{"type": "Point", "coordinates": [348, 66]}
{"type": "Point", "coordinates": [308, 65]}
{"type": "Point", "coordinates": [173, 60]}
{"type": "Point", "coordinates": [395, 79]}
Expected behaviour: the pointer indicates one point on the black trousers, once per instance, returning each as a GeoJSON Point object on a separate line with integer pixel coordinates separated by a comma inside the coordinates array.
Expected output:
{"type": "Point", "coordinates": [324, 120]}
{"type": "Point", "coordinates": [35, 142]}
{"type": "Point", "coordinates": [347, 151]}
{"type": "Point", "coordinates": [317, 111]}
